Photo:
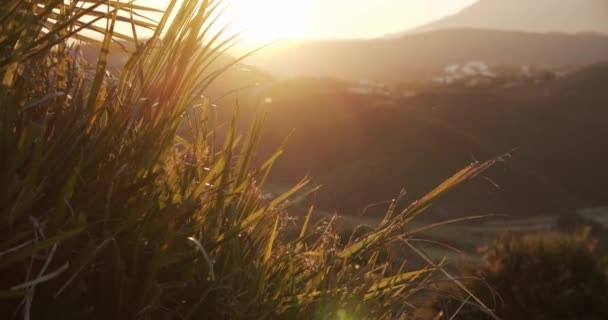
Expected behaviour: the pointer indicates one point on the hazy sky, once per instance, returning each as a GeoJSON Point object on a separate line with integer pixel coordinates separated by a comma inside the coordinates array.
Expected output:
{"type": "Point", "coordinates": [365, 18]}
{"type": "Point", "coordinates": [335, 18]}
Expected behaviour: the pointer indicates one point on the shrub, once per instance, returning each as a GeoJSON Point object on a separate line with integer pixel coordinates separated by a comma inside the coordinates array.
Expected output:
{"type": "Point", "coordinates": [540, 276]}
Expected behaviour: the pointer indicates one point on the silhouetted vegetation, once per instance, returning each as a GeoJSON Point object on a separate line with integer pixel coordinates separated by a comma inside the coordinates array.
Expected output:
{"type": "Point", "coordinates": [536, 276]}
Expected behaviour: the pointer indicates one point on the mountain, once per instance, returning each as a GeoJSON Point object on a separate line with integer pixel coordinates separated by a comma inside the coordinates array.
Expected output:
{"type": "Point", "coordinates": [568, 16]}
{"type": "Point", "coordinates": [422, 56]}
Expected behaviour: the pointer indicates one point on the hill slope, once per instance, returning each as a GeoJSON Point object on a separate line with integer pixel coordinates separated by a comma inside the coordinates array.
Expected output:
{"type": "Point", "coordinates": [421, 56]}
{"type": "Point", "coordinates": [569, 16]}
{"type": "Point", "coordinates": [364, 149]}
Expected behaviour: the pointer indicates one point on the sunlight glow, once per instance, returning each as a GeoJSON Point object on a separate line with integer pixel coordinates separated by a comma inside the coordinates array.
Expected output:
{"type": "Point", "coordinates": [271, 19]}
{"type": "Point", "coordinates": [328, 19]}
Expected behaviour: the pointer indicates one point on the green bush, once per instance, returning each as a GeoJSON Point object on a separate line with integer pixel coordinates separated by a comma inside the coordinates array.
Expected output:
{"type": "Point", "coordinates": [539, 276]}
{"type": "Point", "coordinates": [107, 213]}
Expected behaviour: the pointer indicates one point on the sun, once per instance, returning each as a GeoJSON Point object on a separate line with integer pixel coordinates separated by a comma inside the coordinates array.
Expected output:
{"type": "Point", "coordinates": [271, 19]}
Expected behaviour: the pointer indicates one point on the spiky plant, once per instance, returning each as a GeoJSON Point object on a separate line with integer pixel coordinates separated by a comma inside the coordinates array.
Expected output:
{"type": "Point", "coordinates": [105, 212]}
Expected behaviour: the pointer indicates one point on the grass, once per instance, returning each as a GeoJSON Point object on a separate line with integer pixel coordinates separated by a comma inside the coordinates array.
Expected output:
{"type": "Point", "coordinates": [106, 212]}
{"type": "Point", "coordinates": [458, 241]}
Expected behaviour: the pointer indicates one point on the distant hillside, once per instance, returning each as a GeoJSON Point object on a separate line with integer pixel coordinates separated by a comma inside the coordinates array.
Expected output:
{"type": "Point", "coordinates": [234, 80]}
{"type": "Point", "coordinates": [569, 16]}
{"type": "Point", "coordinates": [364, 149]}
{"type": "Point", "coordinates": [421, 56]}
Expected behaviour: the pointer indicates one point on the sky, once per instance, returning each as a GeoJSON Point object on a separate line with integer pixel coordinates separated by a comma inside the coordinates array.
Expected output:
{"type": "Point", "coordinates": [326, 19]}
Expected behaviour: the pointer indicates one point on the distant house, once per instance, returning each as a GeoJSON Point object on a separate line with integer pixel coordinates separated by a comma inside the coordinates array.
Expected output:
{"type": "Point", "coordinates": [369, 87]}
{"type": "Point", "coordinates": [470, 74]}
{"type": "Point", "coordinates": [409, 94]}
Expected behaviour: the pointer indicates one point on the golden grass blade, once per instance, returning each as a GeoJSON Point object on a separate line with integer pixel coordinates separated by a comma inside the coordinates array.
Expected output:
{"type": "Point", "coordinates": [102, 62]}
{"type": "Point", "coordinates": [271, 240]}
{"type": "Point", "coordinates": [306, 222]}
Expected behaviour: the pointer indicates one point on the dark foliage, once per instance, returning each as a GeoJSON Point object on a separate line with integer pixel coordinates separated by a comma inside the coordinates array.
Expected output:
{"type": "Point", "coordinates": [538, 276]}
